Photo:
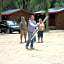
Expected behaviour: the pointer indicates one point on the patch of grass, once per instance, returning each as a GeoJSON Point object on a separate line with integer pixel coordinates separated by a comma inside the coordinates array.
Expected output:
{"type": "Point", "coordinates": [47, 30]}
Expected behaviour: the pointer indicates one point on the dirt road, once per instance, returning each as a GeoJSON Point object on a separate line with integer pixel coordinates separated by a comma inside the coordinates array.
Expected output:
{"type": "Point", "coordinates": [49, 52]}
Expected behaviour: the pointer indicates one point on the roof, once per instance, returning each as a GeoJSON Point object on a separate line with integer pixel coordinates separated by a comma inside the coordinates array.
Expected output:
{"type": "Point", "coordinates": [50, 11]}
{"type": "Point", "coordinates": [41, 11]}
{"type": "Point", "coordinates": [8, 12]}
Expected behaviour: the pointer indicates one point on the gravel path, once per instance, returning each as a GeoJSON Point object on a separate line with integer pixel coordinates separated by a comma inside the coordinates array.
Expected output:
{"type": "Point", "coordinates": [49, 52]}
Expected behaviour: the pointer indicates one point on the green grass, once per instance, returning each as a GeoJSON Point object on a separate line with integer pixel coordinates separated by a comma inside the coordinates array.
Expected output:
{"type": "Point", "coordinates": [47, 30]}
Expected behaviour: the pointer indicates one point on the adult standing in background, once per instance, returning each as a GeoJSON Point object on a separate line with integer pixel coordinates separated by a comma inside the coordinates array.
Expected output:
{"type": "Point", "coordinates": [23, 28]}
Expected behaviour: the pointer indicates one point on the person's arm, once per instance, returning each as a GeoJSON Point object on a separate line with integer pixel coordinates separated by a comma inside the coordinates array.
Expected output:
{"type": "Point", "coordinates": [31, 24]}
{"type": "Point", "coordinates": [26, 23]}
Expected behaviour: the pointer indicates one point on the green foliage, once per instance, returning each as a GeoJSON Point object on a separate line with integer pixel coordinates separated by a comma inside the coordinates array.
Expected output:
{"type": "Point", "coordinates": [0, 6]}
{"type": "Point", "coordinates": [59, 3]}
{"type": "Point", "coordinates": [31, 5]}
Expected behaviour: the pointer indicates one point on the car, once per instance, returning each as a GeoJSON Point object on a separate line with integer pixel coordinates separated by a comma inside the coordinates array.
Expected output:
{"type": "Point", "coordinates": [9, 26]}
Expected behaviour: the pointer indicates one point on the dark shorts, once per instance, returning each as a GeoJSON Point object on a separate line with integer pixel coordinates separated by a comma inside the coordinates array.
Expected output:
{"type": "Point", "coordinates": [40, 33]}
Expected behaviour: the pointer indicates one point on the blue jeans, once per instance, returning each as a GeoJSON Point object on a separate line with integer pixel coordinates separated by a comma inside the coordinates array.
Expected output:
{"type": "Point", "coordinates": [35, 39]}
{"type": "Point", "coordinates": [29, 37]}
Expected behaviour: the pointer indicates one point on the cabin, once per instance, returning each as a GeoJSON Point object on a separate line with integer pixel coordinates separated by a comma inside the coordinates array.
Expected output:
{"type": "Point", "coordinates": [56, 17]}
{"type": "Point", "coordinates": [15, 14]}
{"type": "Point", "coordinates": [55, 20]}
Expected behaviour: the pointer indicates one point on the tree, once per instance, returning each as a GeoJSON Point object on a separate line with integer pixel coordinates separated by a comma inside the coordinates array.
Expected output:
{"type": "Point", "coordinates": [31, 5]}
{"type": "Point", "coordinates": [46, 6]}
{"type": "Point", "coordinates": [59, 3]}
{"type": "Point", "coordinates": [18, 4]}
{"type": "Point", "coordinates": [26, 4]}
{"type": "Point", "coordinates": [56, 3]}
{"type": "Point", "coordinates": [52, 3]}
{"type": "Point", "coordinates": [0, 8]}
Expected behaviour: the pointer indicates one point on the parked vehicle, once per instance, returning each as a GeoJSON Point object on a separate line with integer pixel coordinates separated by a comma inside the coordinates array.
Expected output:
{"type": "Point", "coordinates": [9, 26]}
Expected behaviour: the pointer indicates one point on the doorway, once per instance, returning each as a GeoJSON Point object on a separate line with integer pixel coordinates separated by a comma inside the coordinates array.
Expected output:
{"type": "Point", "coordinates": [52, 20]}
{"type": "Point", "coordinates": [4, 18]}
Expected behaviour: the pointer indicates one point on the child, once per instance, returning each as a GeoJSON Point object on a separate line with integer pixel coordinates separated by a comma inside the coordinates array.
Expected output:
{"type": "Point", "coordinates": [40, 32]}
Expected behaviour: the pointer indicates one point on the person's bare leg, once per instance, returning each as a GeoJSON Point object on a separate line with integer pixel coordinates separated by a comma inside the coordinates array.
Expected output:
{"type": "Point", "coordinates": [42, 39]}
{"type": "Point", "coordinates": [21, 38]}
{"type": "Point", "coordinates": [25, 36]}
{"type": "Point", "coordinates": [38, 39]}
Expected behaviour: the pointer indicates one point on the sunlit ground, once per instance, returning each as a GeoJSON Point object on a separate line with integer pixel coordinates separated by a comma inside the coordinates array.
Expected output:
{"type": "Point", "coordinates": [49, 52]}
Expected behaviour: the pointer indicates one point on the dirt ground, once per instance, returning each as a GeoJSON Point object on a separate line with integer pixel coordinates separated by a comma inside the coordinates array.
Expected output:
{"type": "Point", "coordinates": [49, 52]}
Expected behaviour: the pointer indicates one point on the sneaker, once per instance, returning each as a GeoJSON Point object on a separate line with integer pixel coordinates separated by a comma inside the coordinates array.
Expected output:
{"type": "Point", "coordinates": [27, 48]}
{"type": "Point", "coordinates": [20, 41]}
{"type": "Point", "coordinates": [32, 48]}
{"type": "Point", "coordinates": [41, 41]}
{"type": "Point", "coordinates": [38, 42]}
{"type": "Point", "coordinates": [25, 41]}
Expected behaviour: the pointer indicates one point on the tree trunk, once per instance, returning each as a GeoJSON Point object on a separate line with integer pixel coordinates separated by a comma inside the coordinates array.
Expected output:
{"type": "Point", "coordinates": [47, 27]}
{"type": "Point", "coordinates": [46, 9]}
{"type": "Point", "coordinates": [0, 8]}
{"type": "Point", "coordinates": [0, 17]}
{"type": "Point", "coordinates": [24, 4]}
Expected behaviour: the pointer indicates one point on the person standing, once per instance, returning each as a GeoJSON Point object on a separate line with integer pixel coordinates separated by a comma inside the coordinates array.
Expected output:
{"type": "Point", "coordinates": [31, 28]}
{"type": "Point", "coordinates": [40, 32]}
{"type": "Point", "coordinates": [23, 28]}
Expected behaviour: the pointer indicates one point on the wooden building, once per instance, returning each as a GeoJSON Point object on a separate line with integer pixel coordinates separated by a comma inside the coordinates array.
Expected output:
{"type": "Point", "coordinates": [14, 14]}
{"type": "Point", "coordinates": [56, 17]}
